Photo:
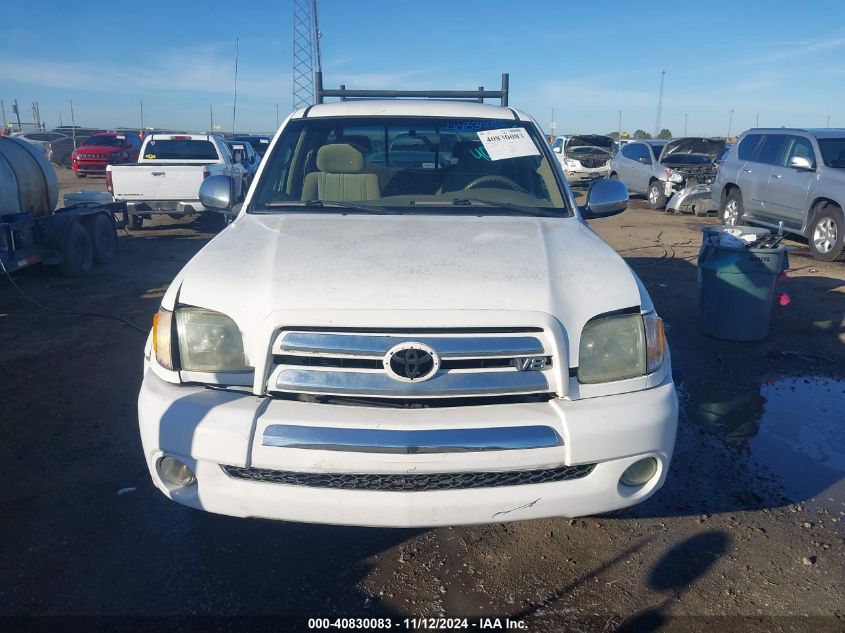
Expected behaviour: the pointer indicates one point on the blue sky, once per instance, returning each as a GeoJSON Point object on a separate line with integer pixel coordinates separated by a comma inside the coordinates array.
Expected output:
{"type": "Point", "coordinates": [783, 61]}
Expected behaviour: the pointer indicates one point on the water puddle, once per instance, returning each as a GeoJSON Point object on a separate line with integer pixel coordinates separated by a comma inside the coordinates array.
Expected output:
{"type": "Point", "coordinates": [794, 427]}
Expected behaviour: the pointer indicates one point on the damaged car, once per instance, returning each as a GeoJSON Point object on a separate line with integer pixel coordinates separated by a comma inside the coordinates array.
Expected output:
{"type": "Point", "coordinates": [584, 157]}
{"type": "Point", "coordinates": [676, 175]}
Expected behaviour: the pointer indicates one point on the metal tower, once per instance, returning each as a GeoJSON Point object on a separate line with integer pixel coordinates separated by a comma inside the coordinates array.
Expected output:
{"type": "Point", "coordinates": [306, 51]}
{"type": "Point", "coordinates": [659, 105]}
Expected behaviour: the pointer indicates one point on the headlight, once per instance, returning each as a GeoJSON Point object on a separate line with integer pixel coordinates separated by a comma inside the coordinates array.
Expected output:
{"type": "Point", "coordinates": [570, 162]}
{"type": "Point", "coordinates": [673, 176]}
{"type": "Point", "coordinates": [206, 340]}
{"type": "Point", "coordinates": [209, 341]}
{"type": "Point", "coordinates": [620, 347]}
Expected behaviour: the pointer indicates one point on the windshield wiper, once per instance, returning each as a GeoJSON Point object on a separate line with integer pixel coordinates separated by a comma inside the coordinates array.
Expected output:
{"type": "Point", "coordinates": [515, 208]}
{"type": "Point", "coordinates": [324, 204]}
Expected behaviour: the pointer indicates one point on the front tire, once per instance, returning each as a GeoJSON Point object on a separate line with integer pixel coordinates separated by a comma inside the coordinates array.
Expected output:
{"type": "Point", "coordinates": [656, 197]}
{"type": "Point", "coordinates": [732, 210]}
{"type": "Point", "coordinates": [827, 232]}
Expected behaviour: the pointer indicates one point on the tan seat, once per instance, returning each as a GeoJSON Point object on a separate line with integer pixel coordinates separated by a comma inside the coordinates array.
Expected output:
{"type": "Point", "coordinates": [340, 178]}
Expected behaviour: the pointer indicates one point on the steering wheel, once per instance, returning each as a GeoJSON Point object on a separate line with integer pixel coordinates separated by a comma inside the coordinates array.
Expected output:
{"type": "Point", "coordinates": [502, 180]}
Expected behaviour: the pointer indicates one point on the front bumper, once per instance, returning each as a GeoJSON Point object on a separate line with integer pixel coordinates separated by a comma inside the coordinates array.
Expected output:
{"type": "Point", "coordinates": [585, 175]}
{"type": "Point", "coordinates": [695, 199]}
{"type": "Point", "coordinates": [94, 167]}
{"type": "Point", "coordinates": [168, 207]}
{"type": "Point", "coordinates": [209, 428]}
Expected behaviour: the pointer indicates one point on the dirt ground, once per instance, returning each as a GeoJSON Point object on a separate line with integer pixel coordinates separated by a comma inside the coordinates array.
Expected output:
{"type": "Point", "coordinates": [747, 533]}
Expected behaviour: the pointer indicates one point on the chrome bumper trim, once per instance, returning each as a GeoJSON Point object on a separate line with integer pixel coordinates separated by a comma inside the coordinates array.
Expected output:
{"type": "Point", "coordinates": [410, 442]}
{"type": "Point", "coordinates": [377, 383]}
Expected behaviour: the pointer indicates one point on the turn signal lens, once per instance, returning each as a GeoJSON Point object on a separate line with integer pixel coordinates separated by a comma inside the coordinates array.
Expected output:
{"type": "Point", "coordinates": [655, 337]}
{"type": "Point", "coordinates": [163, 338]}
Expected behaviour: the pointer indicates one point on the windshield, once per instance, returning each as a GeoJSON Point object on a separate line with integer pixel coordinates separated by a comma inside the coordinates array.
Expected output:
{"type": "Point", "coordinates": [410, 165]}
{"type": "Point", "coordinates": [833, 152]}
{"type": "Point", "coordinates": [180, 150]}
{"type": "Point", "coordinates": [258, 143]}
{"type": "Point", "coordinates": [105, 141]}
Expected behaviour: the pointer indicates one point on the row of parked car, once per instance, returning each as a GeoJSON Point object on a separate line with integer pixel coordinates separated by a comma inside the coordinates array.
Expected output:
{"type": "Point", "coordinates": [773, 177]}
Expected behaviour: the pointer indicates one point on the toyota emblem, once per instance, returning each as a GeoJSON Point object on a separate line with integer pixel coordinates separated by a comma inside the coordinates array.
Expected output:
{"type": "Point", "coordinates": [411, 362]}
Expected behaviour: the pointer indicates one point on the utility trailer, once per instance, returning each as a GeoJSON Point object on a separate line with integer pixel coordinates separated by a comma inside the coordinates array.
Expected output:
{"type": "Point", "coordinates": [32, 231]}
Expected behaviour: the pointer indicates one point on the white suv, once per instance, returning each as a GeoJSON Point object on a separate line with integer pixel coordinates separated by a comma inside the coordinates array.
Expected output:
{"type": "Point", "coordinates": [409, 339]}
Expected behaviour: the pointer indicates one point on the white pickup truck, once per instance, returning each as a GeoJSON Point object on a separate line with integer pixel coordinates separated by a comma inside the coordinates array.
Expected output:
{"type": "Point", "coordinates": [408, 336]}
{"type": "Point", "coordinates": [167, 177]}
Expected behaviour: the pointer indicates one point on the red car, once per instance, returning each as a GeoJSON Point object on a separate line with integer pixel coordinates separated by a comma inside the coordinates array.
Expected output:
{"type": "Point", "coordinates": [105, 148]}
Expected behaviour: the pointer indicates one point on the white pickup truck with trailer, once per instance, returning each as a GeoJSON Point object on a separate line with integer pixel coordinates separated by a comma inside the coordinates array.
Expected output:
{"type": "Point", "coordinates": [383, 342]}
{"type": "Point", "coordinates": [33, 231]}
{"type": "Point", "coordinates": [167, 177]}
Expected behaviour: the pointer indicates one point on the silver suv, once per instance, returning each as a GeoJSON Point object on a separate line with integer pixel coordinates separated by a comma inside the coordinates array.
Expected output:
{"type": "Point", "coordinates": [787, 175]}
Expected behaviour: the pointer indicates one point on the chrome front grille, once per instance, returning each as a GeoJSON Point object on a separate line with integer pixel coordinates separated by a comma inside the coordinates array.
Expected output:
{"type": "Point", "coordinates": [467, 363]}
{"type": "Point", "coordinates": [415, 482]}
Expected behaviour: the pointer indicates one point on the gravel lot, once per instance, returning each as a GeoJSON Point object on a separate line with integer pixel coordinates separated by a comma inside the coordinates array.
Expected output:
{"type": "Point", "coordinates": [749, 526]}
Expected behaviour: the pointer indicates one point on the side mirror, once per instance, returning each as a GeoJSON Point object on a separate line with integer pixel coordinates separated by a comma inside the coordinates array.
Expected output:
{"type": "Point", "coordinates": [216, 192]}
{"type": "Point", "coordinates": [557, 150]}
{"type": "Point", "coordinates": [605, 198]}
{"type": "Point", "coordinates": [644, 160]}
{"type": "Point", "coordinates": [799, 162]}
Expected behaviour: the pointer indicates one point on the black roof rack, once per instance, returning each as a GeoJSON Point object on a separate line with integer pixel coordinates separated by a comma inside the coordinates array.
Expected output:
{"type": "Point", "coordinates": [477, 95]}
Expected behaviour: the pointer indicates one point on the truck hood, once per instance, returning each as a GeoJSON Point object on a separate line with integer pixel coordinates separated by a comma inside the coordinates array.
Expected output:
{"type": "Point", "coordinates": [328, 265]}
{"type": "Point", "coordinates": [709, 147]}
{"type": "Point", "coordinates": [590, 140]}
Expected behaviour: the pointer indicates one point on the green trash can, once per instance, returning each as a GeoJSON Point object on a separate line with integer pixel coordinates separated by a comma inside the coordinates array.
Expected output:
{"type": "Point", "coordinates": [737, 286]}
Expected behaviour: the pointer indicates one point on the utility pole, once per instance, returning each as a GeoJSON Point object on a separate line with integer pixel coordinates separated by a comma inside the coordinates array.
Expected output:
{"type": "Point", "coordinates": [686, 115]}
{"type": "Point", "coordinates": [141, 101]}
{"type": "Point", "coordinates": [620, 124]}
{"type": "Point", "coordinates": [17, 113]}
{"type": "Point", "coordinates": [73, 124]}
{"type": "Point", "coordinates": [553, 125]}
{"type": "Point", "coordinates": [828, 120]}
{"type": "Point", "coordinates": [235, 103]}
{"type": "Point", "coordinates": [757, 120]}
{"type": "Point", "coordinates": [659, 104]}
{"type": "Point", "coordinates": [36, 116]}
{"type": "Point", "coordinates": [60, 119]}
{"type": "Point", "coordinates": [3, 107]}
{"type": "Point", "coordinates": [730, 122]}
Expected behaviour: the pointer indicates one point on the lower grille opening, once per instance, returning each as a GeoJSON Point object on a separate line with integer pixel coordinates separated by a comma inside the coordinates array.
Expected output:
{"type": "Point", "coordinates": [415, 482]}
{"type": "Point", "coordinates": [412, 403]}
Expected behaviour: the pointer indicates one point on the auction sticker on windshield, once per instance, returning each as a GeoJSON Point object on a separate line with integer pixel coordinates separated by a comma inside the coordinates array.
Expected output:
{"type": "Point", "coordinates": [508, 143]}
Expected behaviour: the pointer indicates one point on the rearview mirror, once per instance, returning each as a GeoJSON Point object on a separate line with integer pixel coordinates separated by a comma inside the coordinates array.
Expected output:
{"type": "Point", "coordinates": [557, 150]}
{"type": "Point", "coordinates": [216, 192]}
{"type": "Point", "coordinates": [799, 162]}
{"type": "Point", "coordinates": [605, 198]}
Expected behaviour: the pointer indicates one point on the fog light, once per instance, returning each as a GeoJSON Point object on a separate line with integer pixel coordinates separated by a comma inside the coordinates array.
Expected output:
{"type": "Point", "coordinates": [639, 472]}
{"type": "Point", "coordinates": [175, 472]}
